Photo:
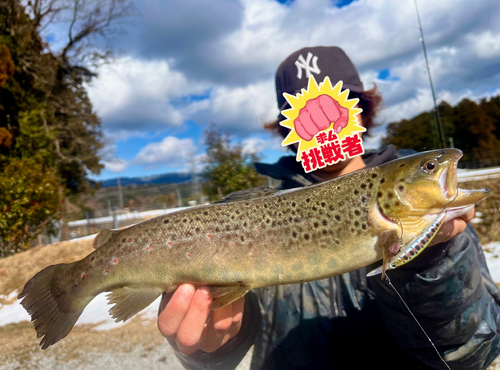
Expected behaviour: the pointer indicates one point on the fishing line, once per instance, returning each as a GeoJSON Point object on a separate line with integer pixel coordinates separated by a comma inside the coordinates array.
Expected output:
{"type": "Point", "coordinates": [418, 323]}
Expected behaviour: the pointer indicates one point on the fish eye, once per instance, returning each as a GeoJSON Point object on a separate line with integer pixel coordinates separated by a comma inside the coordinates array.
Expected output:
{"type": "Point", "coordinates": [430, 166]}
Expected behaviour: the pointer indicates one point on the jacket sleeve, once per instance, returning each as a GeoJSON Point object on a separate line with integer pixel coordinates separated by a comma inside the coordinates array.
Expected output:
{"type": "Point", "coordinates": [449, 290]}
{"type": "Point", "coordinates": [231, 354]}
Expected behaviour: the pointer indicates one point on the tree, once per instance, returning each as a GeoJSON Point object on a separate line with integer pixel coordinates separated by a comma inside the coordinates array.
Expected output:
{"type": "Point", "coordinates": [47, 123]}
{"type": "Point", "coordinates": [228, 169]}
{"type": "Point", "coordinates": [473, 127]}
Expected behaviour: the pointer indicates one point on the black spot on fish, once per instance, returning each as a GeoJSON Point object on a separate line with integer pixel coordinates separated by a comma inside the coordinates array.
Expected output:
{"type": "Point", "coordinates": [337, 241]}
{"type": "Point", "coordinates": [166, 221]}
{"type": "Point", "coordinates": [356, 192]}
{"type": "Point", "coordinates": [228, 228]}
{"type": "Point", "coordinates": [331, 207]}
{"type": "Point", "coordinates": [197, 229]}
{"type": "Point", "coordinates": [370, 185]}
{"type": "Point", "coordinates": [363, 186]}
{"type": "Point", "coordinates": [357, 213]}
{"type": "Point", "coordinates": [324, 231]}
{"type": "Point", "coordinates": [205, 213]}
{"type": "Point", "coordinates": [293, 204]}
{"type": "Point", "coordinates": [185, 220]}
{"type": "Point", "coordinates": [387, 205]}
{"type": "Point", "coordinates": [316, 224]}
{"type": "Point", "coordinates": [324, 222]}
{"type": "Point", "coordinates": [374, 175]}
{"type": "Point", "coordinates": [363, 226]}
{"type": "Point", "coordinates": [306, 236]}
{"type": "Point", "coordinates": [402, 165]}
{"type": "Point", "coordinates": [379, 194]}
{"type": "Point", "coordinates": [245, 224]}
{"type": "Point", "coordinates": [323, 204]}
{"type": "Point", "coordinates": [337, 217]}
{"type": "Point", "coordinates": [265, 205]}
{"type": "Point", "coordinates": [294, 234]}
{"type": "Point", "coordinates": [341, 203]}
{"type": "Point", "coordinates": [123, 240]}
{"type": "Point", "coordinates": [242, 238]}
{"type": "Point", "coordinates": [364, 199]}
{"type": "Point", "coordinates": [397, 204]}
{"type": "Point", "coordinates": [401, 187]}
{"type": "Point", "coordinates": [268, 220]}
{"type": "Point", "coordinates": [356, 223]}
{"type": "Point", "coordinates": [314, 208]}
{"type": "Point", "coordinates": [237, 212]}
{"type": "Point", "coordinates": [308, 200]}
{"type": "Point", "coordinates": [390, 195]}
{"type": "Point", "coordinates": [382, 180]}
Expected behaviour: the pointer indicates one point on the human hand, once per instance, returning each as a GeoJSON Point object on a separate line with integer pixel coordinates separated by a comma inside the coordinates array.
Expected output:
{"type": "Point", "coordinates": [452, 228]}
{"type": "Point", "coordinates": [183, 319]}
{"type": "Point", "coordinates": [318, 114]}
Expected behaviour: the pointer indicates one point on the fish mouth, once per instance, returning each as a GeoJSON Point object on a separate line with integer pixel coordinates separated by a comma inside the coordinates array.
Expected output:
{"type": "Point", "coordinates": [448, 178]}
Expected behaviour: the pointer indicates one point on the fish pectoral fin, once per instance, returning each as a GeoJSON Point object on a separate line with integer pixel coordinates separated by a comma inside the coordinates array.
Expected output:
{"type": "Point", "coordinates": [389, 241]}
{"type": "Point", "coordinates": [102, 238]}
{"type": "Point", "coordinates": [129, 301]}
{"type": "Point", "coordinates": [222, 295]}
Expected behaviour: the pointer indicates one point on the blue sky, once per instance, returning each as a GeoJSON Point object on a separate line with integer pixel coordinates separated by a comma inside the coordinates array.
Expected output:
{"type": "Point", "coordinates": [183, 64]}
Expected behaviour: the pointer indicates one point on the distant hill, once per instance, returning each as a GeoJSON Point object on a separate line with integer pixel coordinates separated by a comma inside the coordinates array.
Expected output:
{"type": "Point", "coordinates": [167, 178]}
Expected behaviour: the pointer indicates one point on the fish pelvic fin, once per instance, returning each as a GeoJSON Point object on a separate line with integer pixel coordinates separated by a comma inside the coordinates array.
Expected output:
{"type": "Point", "coordinates": [53, 308]}
{"type": "Point", "coordinates": [222, 295]}
{"type": "Point", "coordinates": [102, 238]}
{"type": "Point", "coordinates": [129, 301]}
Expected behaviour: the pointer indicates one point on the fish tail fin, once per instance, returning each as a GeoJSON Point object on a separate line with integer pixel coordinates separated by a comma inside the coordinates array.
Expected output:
{"type": "Point", "coordinates": [53, 306]}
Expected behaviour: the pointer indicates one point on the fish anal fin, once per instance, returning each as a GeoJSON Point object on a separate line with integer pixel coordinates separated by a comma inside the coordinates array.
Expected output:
{"type": "Point", "coordinates": [222, 295]}
{"type": "Point", "coordinates": [129, 301]}
{"type": "Point", "coordinates": [102, 238]}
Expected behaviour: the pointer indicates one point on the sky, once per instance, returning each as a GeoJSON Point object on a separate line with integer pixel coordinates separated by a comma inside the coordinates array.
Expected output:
{"type": "Point", "coordinates": [181, 65]}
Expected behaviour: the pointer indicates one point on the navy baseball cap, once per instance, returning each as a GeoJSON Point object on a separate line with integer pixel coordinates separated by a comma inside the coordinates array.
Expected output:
{"type": "Point", "coordinates": [320, 61]}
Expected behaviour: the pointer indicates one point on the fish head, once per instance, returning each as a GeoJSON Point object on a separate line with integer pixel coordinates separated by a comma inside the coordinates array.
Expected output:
{"type": "Point", "coordinates": [422, 184]}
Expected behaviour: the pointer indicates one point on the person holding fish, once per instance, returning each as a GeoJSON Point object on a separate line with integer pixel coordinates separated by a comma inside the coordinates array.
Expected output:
{"type": "Point", "coordinates": [440, 310]}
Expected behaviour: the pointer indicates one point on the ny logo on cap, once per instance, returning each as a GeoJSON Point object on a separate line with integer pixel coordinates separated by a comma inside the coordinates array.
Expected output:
{"type": "Point", "coordinates": [303, 64]}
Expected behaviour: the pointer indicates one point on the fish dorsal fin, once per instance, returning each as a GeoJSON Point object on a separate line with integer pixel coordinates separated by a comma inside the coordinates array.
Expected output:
{"type": "Point", "coordinates": [102, 238]}
{"type": "Point", "coordinates": [222, 295]}
{"type": "Point", "coordinates": [129, 301]}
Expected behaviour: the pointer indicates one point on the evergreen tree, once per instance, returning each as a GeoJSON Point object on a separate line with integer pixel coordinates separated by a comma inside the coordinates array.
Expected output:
{"type": "Point", "coordinates": [48, 129]}
{"type": "Point", "coordinates": [228, 169]}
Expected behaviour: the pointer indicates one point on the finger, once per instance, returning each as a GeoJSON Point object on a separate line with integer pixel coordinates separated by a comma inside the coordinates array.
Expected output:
{"type": "Point", "coordinates": [217, 328]}
{"type": "Point", "coordinates": [193, 324]}
{"type": "Point", "coordinates": [453, 228]}
{"type": "Point", "coordinates": [449, 230]}
{"type": "Point", "coordinates": [171, 317]}
{"type": "Point", "coordinates": [299, 128]}
{"type": "Point", "coordinates": [318, 117]}
{"type": "Point", "coordinates": [238, 309]}
{"type": "Point", "coordinates": [307, 123]}
{"type": "Point", "coordinates": [328, 106]}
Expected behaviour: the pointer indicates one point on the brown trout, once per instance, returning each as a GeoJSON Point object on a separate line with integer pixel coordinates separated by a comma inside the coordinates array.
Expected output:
{"type": "Point", "coordinates": [290, 236]}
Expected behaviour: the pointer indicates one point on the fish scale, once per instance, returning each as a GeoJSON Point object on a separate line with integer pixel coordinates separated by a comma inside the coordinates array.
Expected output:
{"type": "Point", "coordinates": [232, 247]}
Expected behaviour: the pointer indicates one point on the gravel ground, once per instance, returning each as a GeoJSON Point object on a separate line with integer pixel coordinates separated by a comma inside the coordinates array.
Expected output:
{"type": "Point", "coordinates": [135, 345]}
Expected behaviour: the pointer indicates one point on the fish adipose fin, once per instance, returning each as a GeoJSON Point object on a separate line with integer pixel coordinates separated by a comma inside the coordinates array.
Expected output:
{"type": "Point", "coordinates": [222, 295]}
{"type": "Point", "coordinates": [130, 301]}
{"type": "Point", "coordinates": [53, 309]}
{"type": "Point", "coordinates": [102, 238]}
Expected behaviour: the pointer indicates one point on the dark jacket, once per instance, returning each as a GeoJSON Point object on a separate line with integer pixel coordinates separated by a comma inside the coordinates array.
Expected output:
{"type": "Point", "coordinates": [351, 321]}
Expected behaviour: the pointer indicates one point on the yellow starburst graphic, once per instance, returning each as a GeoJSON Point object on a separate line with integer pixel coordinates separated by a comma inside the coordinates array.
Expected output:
{"type": "Point", "coordinates": [313, 91]}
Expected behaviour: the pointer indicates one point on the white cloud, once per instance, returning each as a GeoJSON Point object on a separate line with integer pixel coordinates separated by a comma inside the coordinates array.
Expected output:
{"type": "Point", "coordinates": [171, 152]}
{"type": "Point", "coordinates": [116, 165]}
{"type": "Point", "coordinates": [134, 95]}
